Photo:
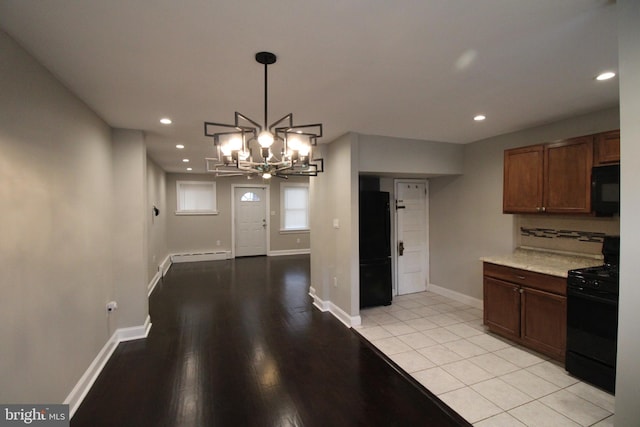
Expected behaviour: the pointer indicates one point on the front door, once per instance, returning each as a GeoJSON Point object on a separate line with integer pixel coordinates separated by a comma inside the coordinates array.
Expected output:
{"type": "Point", "coordinates": [250, 211]}
{"type": "Point", "coordinates": [411, 234]}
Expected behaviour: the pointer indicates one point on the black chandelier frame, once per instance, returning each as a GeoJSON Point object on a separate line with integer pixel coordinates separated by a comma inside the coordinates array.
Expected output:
{"type": "Point", "coordinates": [287, 162]}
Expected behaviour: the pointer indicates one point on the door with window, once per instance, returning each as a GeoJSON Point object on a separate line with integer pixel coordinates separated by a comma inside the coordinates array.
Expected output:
{"type": "Point", "coordinates": [411, 233]}
{"type": "Point", "coordinates": [250, 221]}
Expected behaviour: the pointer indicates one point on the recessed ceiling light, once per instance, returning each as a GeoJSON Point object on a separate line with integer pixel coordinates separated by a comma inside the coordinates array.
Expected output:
{"type": "Point", "coordinates": [606, 75]}
{"type": "Point", "coordinates": [179, 146]}
{"type": "Point", "coordinates": [165, 121]}
{"type": "Point", "coordinates": [189, 169]}
{"type": "Point", "coordinates": [185, 160]}
{"type": "Point", "coordinates": [479, 118]}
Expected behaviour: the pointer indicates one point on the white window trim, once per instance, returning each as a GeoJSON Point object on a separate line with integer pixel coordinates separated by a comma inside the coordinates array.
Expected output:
{"type": "Point", "coordinates": [212, 186]}
{"type": "Point", "coordinates": [282, 190]}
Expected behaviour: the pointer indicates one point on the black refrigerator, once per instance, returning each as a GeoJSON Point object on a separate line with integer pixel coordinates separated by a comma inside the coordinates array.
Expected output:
{"type": "Point", "coordinates": [375, 249]}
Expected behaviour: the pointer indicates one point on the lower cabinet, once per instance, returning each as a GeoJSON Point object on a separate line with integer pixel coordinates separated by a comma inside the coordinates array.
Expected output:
{"type": "Point", "coordinates": [526, 307]}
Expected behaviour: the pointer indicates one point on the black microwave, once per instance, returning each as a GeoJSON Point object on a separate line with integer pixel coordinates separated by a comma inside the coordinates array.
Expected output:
{"type": "Point", "coordinates": [605, 190]}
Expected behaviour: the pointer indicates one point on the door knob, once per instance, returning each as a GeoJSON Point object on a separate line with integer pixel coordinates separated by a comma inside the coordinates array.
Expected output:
{"type": "Point", "coordinates": [401, 248]}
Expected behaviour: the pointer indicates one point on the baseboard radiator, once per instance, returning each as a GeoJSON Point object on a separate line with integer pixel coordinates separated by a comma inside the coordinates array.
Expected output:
{"type": "Point", "coordinates": [201, 256]}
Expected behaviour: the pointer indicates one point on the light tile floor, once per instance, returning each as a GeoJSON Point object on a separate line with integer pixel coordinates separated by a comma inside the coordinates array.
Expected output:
{"type": "Point", "coordinates": [486, 379]}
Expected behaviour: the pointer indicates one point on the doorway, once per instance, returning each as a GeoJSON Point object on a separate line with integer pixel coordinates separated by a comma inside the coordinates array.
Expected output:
{"type": "Point", "coordinates": [412, 238]}
{"type": "Point", "coordinates": [250, 220]}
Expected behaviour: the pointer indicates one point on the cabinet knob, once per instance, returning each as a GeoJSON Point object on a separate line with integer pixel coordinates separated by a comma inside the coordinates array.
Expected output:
{"type": "Point", "coordinates": [538, 208]}
{"type": "Point", "coordinates": [544, 209]}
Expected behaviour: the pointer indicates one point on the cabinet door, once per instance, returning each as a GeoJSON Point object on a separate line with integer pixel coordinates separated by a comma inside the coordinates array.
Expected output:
{"type": "Point", "coordinates": [544, 322]}
{"type": "Point", "coordinates": [567, 166]}
{"type": "Point", "coordinates": [607, 148]}
{"type": "Point", "coordinates": [523, 168]}
{"type": "Point", "coordinates": [502, 307]}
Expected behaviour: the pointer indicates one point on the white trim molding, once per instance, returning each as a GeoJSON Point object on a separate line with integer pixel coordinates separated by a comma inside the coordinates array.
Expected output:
{"type": "Point", "coordinates": [201, 256]}
{"type": "Point", "coordinates": [154, 281]}
{"type": "Point", "coordinates": [283, 252]}
{"type": "Point", "coordinates": [82, 387]}
{"type": "Point", "coordinates": [324, 306]}
{"type": "Point", "coordinates": [457, 296]}
{"type": "Point", "coordinates": [163, 267]}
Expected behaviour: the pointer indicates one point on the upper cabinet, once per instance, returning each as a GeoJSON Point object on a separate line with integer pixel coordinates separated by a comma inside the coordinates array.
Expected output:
{"type": "Point", "coordinates": [606, 148]}
{"type": "Point", "coordinates": [523, 180]}
{"type": "Point", "coordinates": [549, 178]}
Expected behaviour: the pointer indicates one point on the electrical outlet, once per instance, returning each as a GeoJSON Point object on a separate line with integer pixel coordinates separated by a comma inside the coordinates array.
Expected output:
{"type": "Point", "coordinates": [335, 282]}
{"type": "Point", "coordinates": [111, 306]}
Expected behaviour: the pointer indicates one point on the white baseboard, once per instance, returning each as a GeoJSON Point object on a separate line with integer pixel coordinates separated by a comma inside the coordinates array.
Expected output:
{"type": "Point", "coordinates": [82, 387]}
{"type": "Point", "coordinates": [152, 284]}
{"type": "Point", "coordinates": [289, 252]}
{"type": "Point", "coordinates": [201, 256]}
{"type": "Point", "coordinates": [162, 271]}
{"type": "Point", "coordinates": [337, 312]}
{"type": "Point", "coordinates": [457, 296]}
{"type": "Point", "coordinates": [165, 265]}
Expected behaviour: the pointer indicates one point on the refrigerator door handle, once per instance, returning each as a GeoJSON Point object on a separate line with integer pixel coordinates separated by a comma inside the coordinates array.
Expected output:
{"type": "Point", "coordinates": [400, 248]}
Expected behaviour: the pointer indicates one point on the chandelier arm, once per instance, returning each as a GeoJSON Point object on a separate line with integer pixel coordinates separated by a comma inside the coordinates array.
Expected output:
{"type": "Point", "coordinates": [247, 119]}
{"type": "Point", "coordinates": [277, 122]}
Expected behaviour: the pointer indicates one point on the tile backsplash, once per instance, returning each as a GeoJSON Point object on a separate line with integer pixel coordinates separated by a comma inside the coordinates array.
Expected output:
{"type": "Point", "coordinates": [571, 234]}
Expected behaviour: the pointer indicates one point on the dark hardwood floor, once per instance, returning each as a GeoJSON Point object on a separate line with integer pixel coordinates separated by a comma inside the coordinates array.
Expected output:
{"type": "Point", "coordinates": [238, 343]}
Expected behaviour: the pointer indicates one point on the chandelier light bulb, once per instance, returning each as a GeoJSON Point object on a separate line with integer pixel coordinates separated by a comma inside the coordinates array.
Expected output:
{"type": "Point", "coordinates": [266, 175]}
{"type": "Point", "coordinates": [235, 144]}
{"type": "Point", "coordinates": [294, 143]}
{"type": "Point", "coordinates": [265, 139]}
{"type": "Point", "coordinates": [226, 149]}
{"type": "Point", "coordinates": [304, 150]}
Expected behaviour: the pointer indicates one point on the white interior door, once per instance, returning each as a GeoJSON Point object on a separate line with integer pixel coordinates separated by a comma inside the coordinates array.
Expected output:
{"type": "Point", "coordinates": [250, 211]}
{"type": "Point", "coordinates": [411, 234]}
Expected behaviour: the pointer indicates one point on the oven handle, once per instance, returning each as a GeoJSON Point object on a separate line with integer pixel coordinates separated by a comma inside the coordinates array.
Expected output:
{"type": "Point", "coordinates": [579, 294]}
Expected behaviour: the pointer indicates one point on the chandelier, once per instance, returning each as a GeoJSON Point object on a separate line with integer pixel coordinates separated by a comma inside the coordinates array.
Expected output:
{"type": "Point", "coordinates": [280, 149]}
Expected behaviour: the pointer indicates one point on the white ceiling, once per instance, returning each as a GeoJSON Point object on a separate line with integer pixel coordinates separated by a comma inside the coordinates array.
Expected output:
{"type": "Point", "coordinates": [406, 68]}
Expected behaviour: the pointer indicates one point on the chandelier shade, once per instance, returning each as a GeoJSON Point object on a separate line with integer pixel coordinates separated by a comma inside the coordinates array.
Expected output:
{"type": "Point", "coordinates": [279, 149]}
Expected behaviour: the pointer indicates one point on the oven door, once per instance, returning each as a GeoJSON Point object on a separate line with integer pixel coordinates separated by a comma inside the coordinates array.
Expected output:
{"type": "Point", "coordinates": [592, 325]}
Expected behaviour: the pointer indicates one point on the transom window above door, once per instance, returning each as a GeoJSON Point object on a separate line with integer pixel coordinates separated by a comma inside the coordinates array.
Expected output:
{"type": "Point", "coordinates": [250, 196]}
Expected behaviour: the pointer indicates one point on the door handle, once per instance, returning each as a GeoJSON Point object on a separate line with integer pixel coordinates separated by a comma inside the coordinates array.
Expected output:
{"type": "Point", "coordinates": [401, 248]}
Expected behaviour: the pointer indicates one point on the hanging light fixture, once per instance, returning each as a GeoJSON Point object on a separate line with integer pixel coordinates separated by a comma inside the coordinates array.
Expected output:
{"type": "Point", "coordinates": [248, 148]}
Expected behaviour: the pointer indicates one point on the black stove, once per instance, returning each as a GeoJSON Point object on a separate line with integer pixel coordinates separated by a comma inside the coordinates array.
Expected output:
{"type": "Point", "coordinates": [603, 278]}
{"type": "Point", "coordinates": [592, 319]}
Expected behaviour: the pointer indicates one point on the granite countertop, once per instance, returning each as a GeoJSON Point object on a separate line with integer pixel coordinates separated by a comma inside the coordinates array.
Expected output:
{"type": "Point", "coordinates": [554, 263]}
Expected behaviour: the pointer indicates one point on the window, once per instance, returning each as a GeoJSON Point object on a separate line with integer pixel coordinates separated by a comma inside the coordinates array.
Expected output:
{"type": "Point", "coordinates": [250, 196]}
{"type": "Point", "coordinates": [196, 198]}
{"type": "Point", "coordinates": [294, 206]}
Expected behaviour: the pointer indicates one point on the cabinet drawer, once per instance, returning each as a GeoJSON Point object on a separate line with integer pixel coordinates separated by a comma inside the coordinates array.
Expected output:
{"type": "Point", "coordinates": [543, 282]}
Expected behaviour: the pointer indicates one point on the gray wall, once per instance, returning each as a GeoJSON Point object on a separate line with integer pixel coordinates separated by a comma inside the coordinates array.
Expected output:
{"type": "Point", "coordinates": [408, 157]}
{"type": "Point", "coordinates": [129, 228]}
{"type": "Point", "coordinates": [192, 233]}
{"type": "Point", "coordinates": [156, 225]}
{"type": "Point", "coordinates": [465, 212]}
{"type": "Point", "coordinates": [56, 225]}
{"type": "Point", "coordinates": [628, 375]}
{"type": "Point", "coordinates": [334, 251]}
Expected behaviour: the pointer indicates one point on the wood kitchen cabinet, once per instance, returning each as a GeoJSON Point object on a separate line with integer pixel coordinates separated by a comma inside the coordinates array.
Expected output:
{"type": "Point", "coordinates": [549, 178]}
{"type": "Point", "coordinates": [527, 307]}
{"type": "Point", "coordinates": [606, 148]}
